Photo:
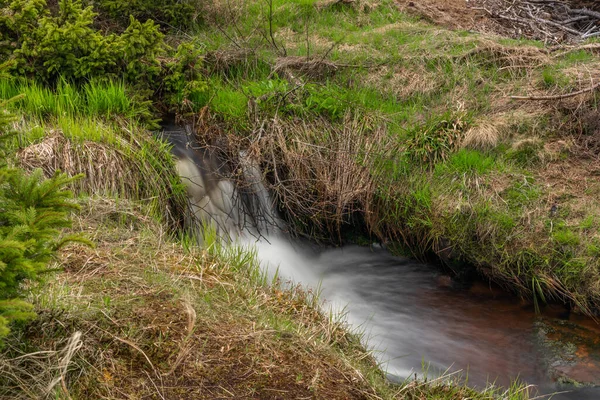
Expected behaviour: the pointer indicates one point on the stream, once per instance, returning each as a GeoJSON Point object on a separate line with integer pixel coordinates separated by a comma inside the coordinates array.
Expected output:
{"type": "Point", "coordinates": [411, 314]}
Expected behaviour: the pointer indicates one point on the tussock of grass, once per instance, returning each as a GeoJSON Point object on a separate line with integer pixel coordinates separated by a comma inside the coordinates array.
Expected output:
{"type": "Point", "coordinates": [127, 163]}
{"type": "Point", "coordinates": [98, 130]}
{"type": "Point", "coordinates": [484, 136]}
{"type": "Point", "coordinates": [230, 61]}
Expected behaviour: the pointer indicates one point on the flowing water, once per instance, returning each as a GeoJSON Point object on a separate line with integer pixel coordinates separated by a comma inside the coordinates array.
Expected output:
{"type": "Point", "coordinates": [410, 313]}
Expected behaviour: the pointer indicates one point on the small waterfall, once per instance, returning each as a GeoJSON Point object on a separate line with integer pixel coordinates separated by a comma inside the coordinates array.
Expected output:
{"type": "Point", "coordinates": [260, 204]}
{"type": "Point", "coordinates": [405, 315]}
{"type": "Point", "coordinates": [234, 209]}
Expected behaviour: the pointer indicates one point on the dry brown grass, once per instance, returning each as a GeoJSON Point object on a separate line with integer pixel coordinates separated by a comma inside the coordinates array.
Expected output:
{"type": "Point", "coordinates": [359, 5]}
{"type": "Point", "coordinates": [162, 322]}
{"type": "Point", "coordinates": [223, 60]}
{"type": "Point", "coordinates": [221, 13]}
{"type": "Point", "coordinates": [483, 136]}
{"type": "Point", "coordinates": [313, 68]}
{"type": "Point", "coordinates": [40, 374]}
{"type": "Point", "coordinates": [137, 168]}
{"type": "Point", "coordinates": [107, 169]}
{"type": "Point", "coordinates": [404, 82]}
{"type": "Point", "coordinates": [507, 57]}
{"type": "Point", "coordinates": [322, 172]}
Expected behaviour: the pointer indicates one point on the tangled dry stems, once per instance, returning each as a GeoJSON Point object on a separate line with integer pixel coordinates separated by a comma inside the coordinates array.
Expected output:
{"type": "Point", "coordinates": [135, 168]}
{"type": "Point", "coordinates": [38, 375]}
{"type": "Point", "coordinates": [223, 60]}
{"type": "Point", "coordinates": [322, 172]}
{"type": "Point", "coordinates": [507, 57]}
{"type": "Point", "coordinates": [107, 169]}
{"type": "Point", "coordinates": [551, 21]}
{"type": "Point", "coordinates": [312, 68]}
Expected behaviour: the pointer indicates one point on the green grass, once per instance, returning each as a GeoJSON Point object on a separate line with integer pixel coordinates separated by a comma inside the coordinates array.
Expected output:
{"type": "Point", "coordinates": [428, 86]}
{"type": "Point", "coordinates": [107, 100]}
{"type": "Point", "coordinates": [525, 154]}
{"type": "Point", "coordinates": [425, 86]}
{"type": "Point", "coordinates": [553, 77]}
{"type": "Point", "coordinates": [521, 193]}
{"type": "Point", "coordinates": [412, 76]}
{"type": "Point", "coordinates": [118, 158]}
{"type": "Point", "coordinates": [467, 162]}
{"type": "Point", "coordinates": [153, 302]}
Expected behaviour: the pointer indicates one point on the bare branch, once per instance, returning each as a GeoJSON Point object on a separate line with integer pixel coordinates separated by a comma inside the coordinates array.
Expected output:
{"type": "Point", "coordinates": [560, 96]}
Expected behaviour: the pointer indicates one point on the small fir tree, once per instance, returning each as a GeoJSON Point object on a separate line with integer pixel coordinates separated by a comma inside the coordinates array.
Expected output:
{"type": "Point", "coordinates": [32, 212]}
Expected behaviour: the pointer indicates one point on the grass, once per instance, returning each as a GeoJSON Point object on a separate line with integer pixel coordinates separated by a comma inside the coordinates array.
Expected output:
{"type": "Point", "coordinates": [351, 110]}
{"type": "Point", "coordinates": [116, 161]}
{"type": "Point", "coordinates": [467, 162]}
{"type": "Point", "coordinates": [98, 130]}
{"type": "Point", "coordinates": [101, 130]}
{"type": "Point", "coordinates": [442, 99]}
{"type": "Point", "coordinates": [106, 100]}
{"type": "Point", "coordinates": [146, 316]}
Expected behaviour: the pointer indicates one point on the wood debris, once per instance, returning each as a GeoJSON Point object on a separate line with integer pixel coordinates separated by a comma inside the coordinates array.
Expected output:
{"type": "Point", "coordinates": [553, 21]}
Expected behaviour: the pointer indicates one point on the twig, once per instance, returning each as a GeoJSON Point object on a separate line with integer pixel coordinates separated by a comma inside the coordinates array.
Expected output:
{"type": "Point", "coordinates": [589, 13]}
{"type": "Point", "coordinates": [560, 96]}
{"type": "Point", "coordinates": [283, 50]}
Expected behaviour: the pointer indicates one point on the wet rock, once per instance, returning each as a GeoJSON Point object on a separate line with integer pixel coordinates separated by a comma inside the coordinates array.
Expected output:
{"type": "Point", "coordinates": [443, 281]}
{"type": "Point", "coordinates": [570, 352]}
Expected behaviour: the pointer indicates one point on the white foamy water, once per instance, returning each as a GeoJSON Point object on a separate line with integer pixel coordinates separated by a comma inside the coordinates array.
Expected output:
{"type": "Point", "coordinates": [405, 315]}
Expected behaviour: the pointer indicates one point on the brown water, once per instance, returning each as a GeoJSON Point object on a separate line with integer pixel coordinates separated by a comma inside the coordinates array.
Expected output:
{"type": "Point", "coordinates": [411, 314]}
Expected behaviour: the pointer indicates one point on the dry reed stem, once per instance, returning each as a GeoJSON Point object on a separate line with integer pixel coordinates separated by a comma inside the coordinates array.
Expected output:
{"type": "Point", "coordinates": [107, 169]}
{"type": "Point", "coordinates": [37, 374]}
{"type": "Point", "coordinates": [122, 169]}
{"type": "Point", "coordinates": [323, 172]}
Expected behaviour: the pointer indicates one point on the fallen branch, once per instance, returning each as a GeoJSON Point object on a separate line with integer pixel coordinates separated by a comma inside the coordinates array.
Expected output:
{"type": "Point", "coordinates": [588, 13]}
{"type": "Point", "coordinates": [558, 97]}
